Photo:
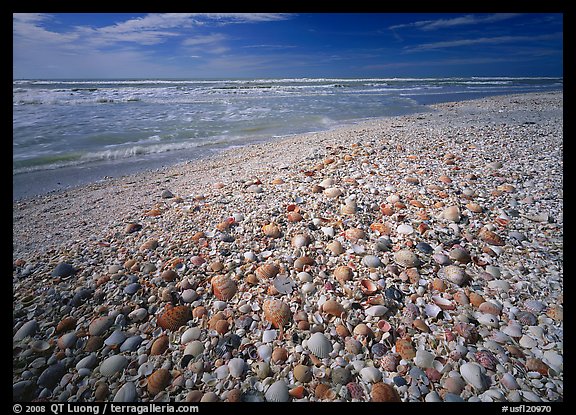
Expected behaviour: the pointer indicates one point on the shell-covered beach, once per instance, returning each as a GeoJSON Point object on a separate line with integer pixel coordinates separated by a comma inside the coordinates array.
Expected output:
{"type": "Point", "coordinates": [416, 258]}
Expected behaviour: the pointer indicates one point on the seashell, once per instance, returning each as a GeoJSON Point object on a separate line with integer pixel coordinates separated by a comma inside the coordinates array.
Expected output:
{"type": "Point", "coordinates": [376, 310]}
{"type": "Point", "coordinates": [404, 229]}
{"type": "Point", "coordinates": [476, 299]}
{"type": "Point", "coordinates": [461, 297]}
{"type": "Point", "coordinates": [174, 317]}
{"type": "Point", "coordinates": [99, 325]}
{"type": "Point", "coordinates": [158, 381]}
{"type": "Point", "coordinates": [355, 390]}
{"type": "Point", "coordinates": [160, 345]}
{"type": "Point", "coordinates": [126, 393]}
{"type": "Point", "coordinates": [277, 312]}
{"type": "Point", "coordinates": [490, 308]}
{"type": "Point", "coordinates": [534, 364]}
{"type": "Point", "coordinates": [352, 345]}
{"type": "Point", "coordinates": [405, 348]}
{"type": "Point", "coordinates": [279, 355]}
{"type": "Point", "coordinates": [460, 254]}
{"type": "Point", "coordinates": [362, 329]}
{"type": "Point", "coordinates": [382, 392]}
{"type": "Point", "coordinates": [112, 365]}
{"type": "Point", "coordinates": [349, 208]}
{"type": "Point", "coordinates": [131, 343]}
{"type": "Point", "coordinates": [406, 258]}
{"type": "Point", "coordinates": [332, 192]}
{"type": "Point", "coordinates": [512, 330]}
{"type": "Point", "coordinates": [277, 392]}
{"type": "Point", "coordinates": [424, 359]}
{"type": "Point", "coordinates": [487, 359]}
{"type": "Point", "coordinates": [454, 274]}
{"type": "Point", "coordinates": [67, 323]}
{"type": "Point", "coordinates": [432, 310]}
{"type": "Point", "coordinates": [472, 373]}
{"type": "Point", "coordinates": [343, 273]}
{"type": "Point", "coordinates": [267, 271]}
{"type": "Point", "coordinates": [324, 392]}
{"type": "Point", "coordinates": [319, 345]}
{"type": "Point", "coordinates": [194, 348]}
{"type": "Point", "coordinates": [302, 373]}
{"type": "Point", "coordinates": [271, 230]}
{"type": "Point", "coordinates": [138, 315]}
{"type": "Point", "coordinates": [451, 213]}
{"type": "Point", "coordinates": [421, 325]}
{"type": "Point", "coordinates": [526, 318]}
{"type": "Point", "coordinates": [467, 331]}
{"type": "Point", "coordinates": [454, 385]}
{"type": "Point", "coordinates": [534, 306]}
{"type": "Point", "coordinates": [342, 330]}
{"type": "Point", "coordinates": [509, 381]}
{"type": "Point", "coordinates": [302, 262]}
{"type": "Point", "coordinates": [474, 207]}
{"type": "Point", "coordinates": [40, 346]}
{"type": "Point", "coordinates": [441, 259]}
{"type": "Point", "coordinates": [370, 374]}
{"type": "Point", "coordinates": [50, 377]}
{"type": "Point", "coordinates": [63, 269]}
{"type": "Point", "coordinates": [223, 287]}
{"type": "Point", "coordinates": [390, 361]}
{"type": "Point", "coordinates": [264, 352]}
{"type": "Point", "coordinates": [335, 247]}
{"type": "Point", "coordinates": [341, 375]}
{"type": "Point", "coordinates": [354, 234]}
{"type": "Point", "coordinates": [94, 343]}
{"type": "Point", "coordinates": [371, 261]}
{"type": "Point", "coordinates": [297, 392]}
{"type": "Point", "coordinates": [261, 369]}
{"type": "Point", "coordinates": [333, 308]}
{"type": "Point", "coordinates": [368, 287]}
{"type": "Point", "coordinates": [236, 367]}
{"type": "Point", "coordinates": [300, 240]}
{"type": "Point", "coordinates": [149, 245]}
{"type": "Point", "coordinates": [293, 216]}
{"type": "Point", "coordinates": [490, 237]}
{"type": "Point", "coordinates": [443, 303]}
{"type": "Point", "coordinates": [192, 333]}
{"type": "Point", "coordinates": [116, 338]}
{"type": "Point", "coordinates": [67, 340]}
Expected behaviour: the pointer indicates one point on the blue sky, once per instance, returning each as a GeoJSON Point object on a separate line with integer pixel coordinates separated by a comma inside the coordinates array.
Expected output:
{"type": "Point", "coordinates": [255, 45]}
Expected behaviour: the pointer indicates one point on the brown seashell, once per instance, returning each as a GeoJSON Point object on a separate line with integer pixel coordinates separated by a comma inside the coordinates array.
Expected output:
{"type": "Point", "coordinates": [151, 244]}
{"type": "Point", "coordinates": [277, 181]}
{"type": "Point", "coordinates": [490, 308]}
{"type": "Point", "coordinates": [461, 298]}
{"type": "Point", "coordinates": [335, 247]}
{"type": "Point", "coordinates": [267, 271]}
{"type": "Point", "coordinates": [476, 299]}
{"type": "Point", "coordinates": [333, 308]}
{"type": "Point", "coordinates": [390, 361]}
{"type": "Point", "coordinates": [158, 381]}
{"type": "Point", "coordinates": [294, 217]}
{"type": "Point", "coordinates": [132, 227]}
{"type": "Point", "coordinates": [382, 392]}
{"type": "Point", "coordinates": [297, 392]}
{"type": "Point", "coordinates": [342, 330]}
{"type": "Point", "coordinates": [199, 312]}
{"type": "Point", "coordinates": [224, 287]}
{"type": "Point", "coordinates": [439, 284]}
{"type": "Point", "coordinates": [93, 344]}
{"type": "Point", "coordinates": [174, 317]}
{"type": "Point", "coordinates": [467, 331]}
{"type": "Point", "coordinates": [101, 392]}
{"type": "Point", "coordinates": [221, 326]}
{"type": "Point", "coordinates": [555, 312]}
{"type": "Point", "coordinates": [169, 275]}
{"type": "Point", "coordinates": [445, 179]}
{"type": "Point", "coordinates": [276, 312]}
{"type": "Point", "coordinates": [421, 325]}
{"type": "Point", "coordinates": [474, 207]}
{"type": "Point", "coordinates": [343, 273]}
{"type": "Point", "coordinates": [324, 392]}
{"type": "Point", "coordinates": [362, 329]}
{"type": "Point", "coordinates": [386, 209]}
{"type": "Point", "coordinates": [416, 203]}
{"type": "Point", "coordinates": [490, 237]}
{"type": "Point", "coordinates": [302, 262]}
{"type": "Point", "coordinates": [67, 323]}
{"type": "Point", "coordinates": [405, 348]}
{"type": "Point", "coordinates": [234, 395]}
{"type": "Point", "coordinates": [354, 234]}
{"type": "Point", "coordinates": [271, 230]}
{"type": "Point", "coordinates": [536, 365]}
{"type": "Point", "coordinates": [279, 355]}
{"type": "Point", "coordinates": [160, 345]}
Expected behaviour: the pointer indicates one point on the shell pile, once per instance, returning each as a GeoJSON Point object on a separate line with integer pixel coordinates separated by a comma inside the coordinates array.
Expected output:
{"type": "Point", "coordinates": [418, 262]}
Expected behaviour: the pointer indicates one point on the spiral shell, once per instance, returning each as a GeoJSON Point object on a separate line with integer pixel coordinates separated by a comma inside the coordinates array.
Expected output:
{"type": "Point", "coordinates": [174, 317]}
{"type": "Point", "coordinates": [224, 287]}
{"type": "Point", "coordinates": [158, 381]}
{"type": "Point", "coordinates": [382, 392]}
{"type": "Point", "coordinates": [276, 312]}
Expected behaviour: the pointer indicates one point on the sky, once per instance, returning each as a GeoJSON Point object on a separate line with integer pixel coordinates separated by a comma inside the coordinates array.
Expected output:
{"type": "Point", "coordinates": [285, 45]}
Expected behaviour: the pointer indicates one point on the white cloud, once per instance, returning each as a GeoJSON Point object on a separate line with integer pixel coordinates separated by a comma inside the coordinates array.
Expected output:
{"type": "Point", "coordinates": [469, 19]}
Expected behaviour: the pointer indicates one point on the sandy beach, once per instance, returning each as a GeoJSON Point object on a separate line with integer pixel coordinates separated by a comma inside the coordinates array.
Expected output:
{"type": "Point", "coordinates": [450, 223]}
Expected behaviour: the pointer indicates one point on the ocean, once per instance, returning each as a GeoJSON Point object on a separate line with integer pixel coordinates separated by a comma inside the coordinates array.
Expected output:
{"type": "Point", "coordinates": [73, 132]}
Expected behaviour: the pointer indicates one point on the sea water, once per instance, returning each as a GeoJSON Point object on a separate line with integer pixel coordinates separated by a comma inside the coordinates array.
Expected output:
{"type": "Point", "coordinates": [69, 132]}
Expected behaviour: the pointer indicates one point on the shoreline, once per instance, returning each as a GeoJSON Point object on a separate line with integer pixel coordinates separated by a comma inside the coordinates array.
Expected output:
{"type": "Point", "coordinates": [450, 223]}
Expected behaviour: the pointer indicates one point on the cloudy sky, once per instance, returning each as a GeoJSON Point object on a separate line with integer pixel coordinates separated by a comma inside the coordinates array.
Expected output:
{"type": "Point", "coordinates": [223, 45]}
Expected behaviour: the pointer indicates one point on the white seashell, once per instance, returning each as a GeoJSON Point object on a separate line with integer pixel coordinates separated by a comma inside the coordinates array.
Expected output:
{"type": "Point", "coordinates": [264, 352]}
{"type": "Point", "coordinates": [138, 315]}
{"type": "Point", "coordinates": [376, 310]}
{"type": "Point", "coordinates": [509, 381]}
{"type": "Point", "coordinates": [333, 192]}
{"type": "Point", "coordinates": [308, 288]}
{"type": "Point", "coordinates": [113, 365]}
{"type": "Point", "coordinates": [371, 261]}
{"type": "Point", "coordinates": [489, 320]}
{"type": "Point", "coordinates": [319, 345]}
{"type": "Point", "coordinates": [358, 365]}
{"type": "Point", "coordinates": [222, 372]}
{"type": "Point", "coordinates": [512, 330]}
{"type": "Point", "coordinates": [277, 392]}
{"type": "Point", "coordinates": [194, 348]}
{"type": "Point", "coordinates": [424, 359]}
{"type": "Point", "coordinates": [370, 374]}
{"type": "Point", "coordinates": [472, 373]}
{"type": "Point", "coordinates": [269, 335]}
{"type": "Point", "coordinates": [126, 393]}
{"type": "Point", "coordinates": [405, 229]}
{"type": "Point", "coordinates": [328, 230]}
{"type": "Point", "coordinates": [236, 367]}
{"type": "Point", "coordinates": [527, 342]}
{"type": "Point", "coordinates": [146, 369]}
{"type": "Point", "coordinates": [554, 360]}
{"type": "Point", "coordinates": [193, 333]}
{"type": "Point", "coordinates": [432, 310]}
{"type": "Point", "coordinates": [189, 295]}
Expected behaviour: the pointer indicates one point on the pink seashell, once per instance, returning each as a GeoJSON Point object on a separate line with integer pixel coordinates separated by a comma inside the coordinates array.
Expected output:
{"type": "Point", "coordinates": [486, 359]}
{"type": "Point", "coordinates": [368, 287]}
{"type": "Point", "coordinates": [223, 287]}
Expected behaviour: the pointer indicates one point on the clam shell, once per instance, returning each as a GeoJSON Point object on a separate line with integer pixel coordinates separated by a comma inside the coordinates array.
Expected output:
{"type": "Point", "coordinates": [271, 230]}
{"type": "Point", "coordinates": [368, 287]}
{"type": "Point", "coordinates": [406, 258]}
{"type": "Point", "coordinates": [276, 312]}
{"type": "Point", "coordinates": [324, 392]}
{"type": "Point", "coordinates": [343, 273]}
{"type": "Point", "coordinates": [174, 317]}
{"type": "Point", "coordinates": [277, 392]}
{"type": "Point", "coordinates": [192, 333]}
{"type": "Point", "coordinates": [376, 310]}
{"type": "Point", "coordinates": [333, 192]}
{"type": "Point", "coordinates": [454, 274]}
{"type": "Point", "coordinates": [158, 381]}
{"type": "Point", "coordinates": [126, 393]}
{"type": "Point", "coordinates": [333, 307]}
{"type": "Point", "coordinates": [194, 348]}
{"type": "Point", "coordinates": [99, 325]}
{"type": "Point", "coordinates": [472, 373]}
{"type": "Point", "coordinates": [355, 234]}
{"type": "Point", "coordinates": [372, 261]}
{"type": "Point", "coordinates": [451, 213]}
{"type": "Point", "coordinates": [113, 365]}
{"type": "Point", "coordinates": [236, 366]}
{"type": "Point", "coordinates": [382, 392]}
{"type": "Point", "coordinates": [490, 237]}
{"type": "Point", "coordinates": [319, 345]}
{"type": "Point", "coordinates": [302, 373]}
{"type": "Point", "coordinates": [160, 345]}
{"type": "Point", "coordinates": [224, 287]}
{"type": "Point", "coordinates": [300, 240]}
{"type": "Point", "coordinates": [370, 374]}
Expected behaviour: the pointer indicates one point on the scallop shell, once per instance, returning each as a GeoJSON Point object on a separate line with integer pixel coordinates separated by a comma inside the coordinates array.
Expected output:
{"type": "Point", "coordinates": [276, 312]}
{"type": "Point", "coordinates": [382, 392]}
{"type": "Point", "coordinates": [224, 287]}
{"type": "Point", "coordinates": [370, 374]}
{"type": "Point", "coordinates": [271, 230]}
{"type": "Point", "coordinates": [487, 359]}
{"type": "Point", "coordinates": [355, 390]}
{"type": "Point", "coordinates": [333, 307]}
{"type": "Point", "coordinates": [113, 365]}
{"type": "Point", "coordinates": [158, 381]}
{"type": "Point", "coordinates": [526, 318]}
{"type": "Point", "coordinates": [534, 306]}
{"type": "Point", "coordinates": [319, 345]}
{"type": "Point", "coordinates": [390, 361]}
{"type": "Point", "coordinates": [277, 392]}
{"type": "Point", "coordinates": [267, 271]}
{"type": "Point", "coordinates": [406, 258]}
{"type": "Point", "coordinates": [174, 317]}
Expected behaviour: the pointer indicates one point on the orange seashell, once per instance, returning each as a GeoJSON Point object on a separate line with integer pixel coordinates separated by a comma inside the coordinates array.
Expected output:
{"type": "Point", "coordinates": [153, 212]}
{"type": "Point", "coordinates": [174, 317]}
{"type": "Point", "coordinates": [439, 284]}
{"type": "Point", "coordinates": [221, 326]}
{"type": "Point", "coordinates": [158, 381]}
{"type": "Point", "coordinates": [160, 345]}
{"type": "Point", "coordinates": [298, 392]}
{"type": "Point", "coordinates": [279, 355]}
{"type": "Point", "coordinates": [490, 237]}
{"type": "Point", "coordinates": [276, 312]}
{"type": "Point", "coordinates": [381, 228]}
{"type": "Point", "coordinates": [224, 287]}
{"type": "Point", "coordinates": [294, 217]}
{"type": "Point", "coordinates": [150, 244]}
{"type": "Point", "coordinates": [476, 299]}
{"type": "Point", "coordinates": [382, 392]}
{"type": "Point", "coordinates": [354, 234]}
{"type": "Point", "coordinates": [272, 230]}
{"type": "Point", "coordinates": [267, 271]}
{"type": "Point", "coordinates": [277, 181]}
{"type": "Point", "coordinates": [416, 203]}
{"type": "Point", "coordinates": [405, 348]}
{"type": "Point", "coordinates": [368, 287]}
{"type": "Point", "coordinates": [445, 179]}
{"type": "Point", "coordinates": [199, 312]}
{"type": "Point", "coordinates": [67, 323]}
{"type": "Point", "coordinates": [343, 273]}
{"type": "Point", "coordinates": [386, 209]}
{"type": "Point", "coordinates": [333, 308]}
{"type": "Point", "coordinates": [323, 391]}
